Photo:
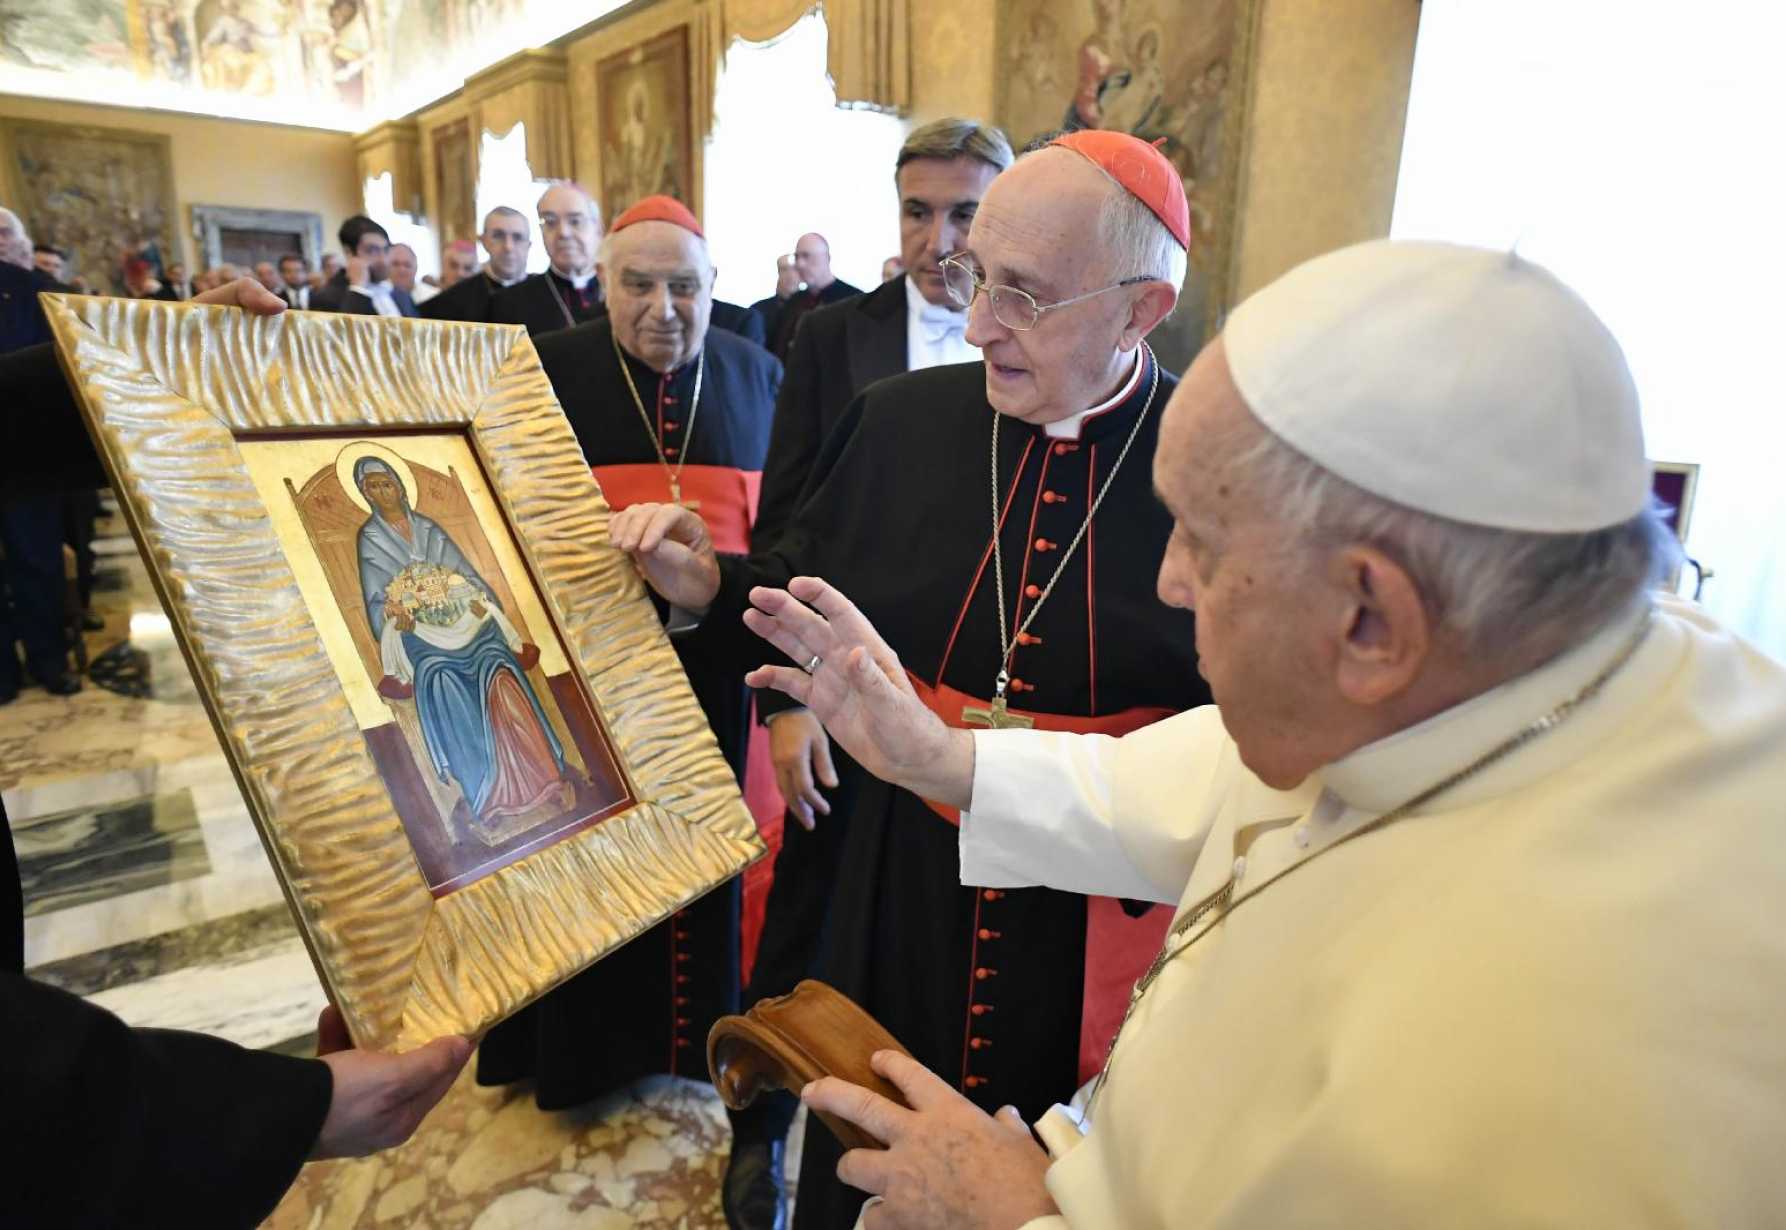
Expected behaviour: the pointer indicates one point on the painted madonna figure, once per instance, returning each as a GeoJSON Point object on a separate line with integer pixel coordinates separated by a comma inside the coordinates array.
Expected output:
{"type": "Point", "coordinates": [445, 644]}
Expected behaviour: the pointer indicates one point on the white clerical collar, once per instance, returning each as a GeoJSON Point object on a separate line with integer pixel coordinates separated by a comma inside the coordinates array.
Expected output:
{"type": "Point", "coordinates": [1389, 772]}
{"type": "Point", "coordinates": [507, 282]}
{"type": "Point", "coordinates": [917, 307]}
{"type": "Point", "coordinates": [1070, 427]}
{"type": "Point", "coordinates": [579, 280]}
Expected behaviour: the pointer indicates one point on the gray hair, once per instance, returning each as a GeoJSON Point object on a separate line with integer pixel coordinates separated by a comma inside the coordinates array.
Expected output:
{"type": "Point", "coordinates": [955, 137]}
{"type": "Point", "coordinates": [1478, 582]}
{"type": "Point", "coordinates": [604, 253]}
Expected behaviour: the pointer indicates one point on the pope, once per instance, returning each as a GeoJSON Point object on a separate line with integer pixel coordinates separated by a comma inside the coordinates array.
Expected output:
{"type": "Point", "coordinates": [1477, 860]}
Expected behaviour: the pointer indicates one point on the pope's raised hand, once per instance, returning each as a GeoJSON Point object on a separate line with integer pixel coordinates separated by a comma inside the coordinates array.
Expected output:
{"type": "Point", "coordinates": [672, 549]}
{"type": "Point", "coordinates": [858, 689]}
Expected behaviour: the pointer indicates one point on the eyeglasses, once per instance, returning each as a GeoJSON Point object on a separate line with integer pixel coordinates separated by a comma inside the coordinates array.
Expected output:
{"type": "Point", "coordinates": [1011, 307]}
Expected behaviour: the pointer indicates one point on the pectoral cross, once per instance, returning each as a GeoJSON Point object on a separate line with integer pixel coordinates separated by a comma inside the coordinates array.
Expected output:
{"type": "Point", "coordinates": [998, 715]}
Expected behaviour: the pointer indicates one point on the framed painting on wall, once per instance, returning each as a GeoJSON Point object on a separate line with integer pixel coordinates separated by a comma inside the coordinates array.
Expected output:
{"type": "Point", "coordinates": [1175, 73]}
{"type": "Point", "coordinates": [470, 750]}
{"type": "Point", "coordinates": [100, 194]}
{"type": "Point", "coordinates": [645, 125]}
{"type": "Point", "coordinates": [455, 183]}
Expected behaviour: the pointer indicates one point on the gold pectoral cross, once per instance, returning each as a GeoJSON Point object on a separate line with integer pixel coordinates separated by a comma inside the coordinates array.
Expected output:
{"type": "Point", "coordinates": [676, 498]}
{"type": "Point", "coordinates": [998, 715]}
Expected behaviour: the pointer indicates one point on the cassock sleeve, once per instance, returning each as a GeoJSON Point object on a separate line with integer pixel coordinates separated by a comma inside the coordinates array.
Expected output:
{"type": "Point", "coordinates": [44, 439]}
{"type": "Point", "coordinates": [111, 1126]}
{"type": "Point", "coordinates": [1094, 814]}
{"type": "Point", "coordinates": [793, 443]}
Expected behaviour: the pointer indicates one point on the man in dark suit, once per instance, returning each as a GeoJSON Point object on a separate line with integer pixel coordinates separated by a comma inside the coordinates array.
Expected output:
{"type": "Point", "coordinates": [819, 286]}
{"type": "Point", "coordinates": [745, 322]}
{"type": "Point", "coordinates": [507, 239]}
{"type": "Point", "coordinates": [294, 277]}
{"type": "Point", "coordinates": [787, 282]}
{"type": "Point", "coordinates": [363, 287]}
{"type": "Point", "coordinates": [903, 325]}
{"type": "Point", "coordinates": [568, 293]}
{"type": "Point", "coordinates": [111, 1126]}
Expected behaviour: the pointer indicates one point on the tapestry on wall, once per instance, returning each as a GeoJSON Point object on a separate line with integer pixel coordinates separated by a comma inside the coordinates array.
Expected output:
{"type": "Point", "coordinates": [646, 129]}
{"type": "Point", "coordinates": [100, 194]}
{"type": "Point", "coordinates": [1172, 72]}
{"type": "Point", "coordinates": [455, 182]}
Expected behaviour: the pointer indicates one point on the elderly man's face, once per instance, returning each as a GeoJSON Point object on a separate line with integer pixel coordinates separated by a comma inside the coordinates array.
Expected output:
{"type": "Point", "coordinates": [812, 259]}
{"type": "Point", "coordinates": [787, 278]}
{"type": "Point", "coordinates": [507, 238]}
{"type": "Point", "coordinates": [267, 276]}
{"type": "Point", "coordinates": [1259, 600]}
{"type": "Point", "coordinates": [402, 264]}
{"type": "Point", "coordinates": [15, 242]}
{"type": "Point", "coordinates": [659, 284]}
{"type": "Point", "coordinates": [567, 222]}
{"type": "Point", "coordinates": [938, 198]}
{"type": "Point", "coordinates": [1036, 230]}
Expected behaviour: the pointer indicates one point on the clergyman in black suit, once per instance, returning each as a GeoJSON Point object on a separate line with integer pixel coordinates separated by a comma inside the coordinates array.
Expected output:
{"type": "Point", "coordinates": [568, 293]}
{"type": "Point", "coordinates": [819, 286]}
{"type": "Point", "coordinates": [362, 287]}
{"type": "Point", "coordinates": [507, 239]}
{"type": "Point", "coordinates": [106, 1125]}
{"type": "Point", "coordinates": [906, 324]}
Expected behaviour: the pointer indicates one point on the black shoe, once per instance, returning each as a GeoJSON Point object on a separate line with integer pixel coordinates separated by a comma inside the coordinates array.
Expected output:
{"type": "Point", "coordinates": [60, 685]}
{"type": "Point", "coordinates": [753, 1195]}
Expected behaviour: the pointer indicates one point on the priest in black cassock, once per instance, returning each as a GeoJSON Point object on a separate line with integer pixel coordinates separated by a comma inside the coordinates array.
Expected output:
{"type": "Point", "coordinates": [1074, 256]}
{"type": "Point", "coordinates": [507, 239]}
{"type": "Point", "coordinates": [665, 409]}
{"type": "Point", "coordinates": [906, 324]}
{"type": "Point", "coordinates": [569, 292]}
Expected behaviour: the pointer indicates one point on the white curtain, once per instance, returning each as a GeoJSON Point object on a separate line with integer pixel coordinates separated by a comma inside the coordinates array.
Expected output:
{"type": "Point", "coordinates": [785, 160]}
{"type": "Point", "coordinates": [401, 226]}
{"type": "Point", "coordinates": [504, 178]}
{"type": "Point", "coordinates": [1634, 148]}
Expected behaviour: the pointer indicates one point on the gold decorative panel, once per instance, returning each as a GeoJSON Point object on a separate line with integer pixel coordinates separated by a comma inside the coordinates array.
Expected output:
{"type": "Point", "coordinates": [266, 467]}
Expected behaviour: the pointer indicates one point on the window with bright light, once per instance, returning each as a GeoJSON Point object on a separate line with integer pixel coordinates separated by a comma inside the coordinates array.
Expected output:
{"type": "Point", "coordinates": [504, 178]}
{"type": "Point", "coordinates": [1634, 149]}
{"type": "Point", "coordinates": [785, 159]}
{"type": "Point", "coordinates": [402, 227]}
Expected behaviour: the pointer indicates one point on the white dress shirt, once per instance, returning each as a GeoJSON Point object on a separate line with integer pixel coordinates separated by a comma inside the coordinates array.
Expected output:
{"type": "Point", "coordinates": [380, 294]}
{"type": "Point", "coordinates": [1550, 997]}
{"type": "Point", "coordinates": [934, 335]}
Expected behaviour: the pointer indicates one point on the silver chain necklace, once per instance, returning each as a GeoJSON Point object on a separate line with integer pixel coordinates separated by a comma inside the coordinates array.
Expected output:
{"type": "Point", "coordinates": [998, 716]}
{"type": "Point", "coordinates": [675, 476]}
{"type": "Point", "coordinates": [1222, 900]}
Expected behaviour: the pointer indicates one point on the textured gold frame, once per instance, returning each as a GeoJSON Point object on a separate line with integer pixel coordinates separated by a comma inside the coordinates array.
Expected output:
{"type": "Point", "coordinates": [166, 389]}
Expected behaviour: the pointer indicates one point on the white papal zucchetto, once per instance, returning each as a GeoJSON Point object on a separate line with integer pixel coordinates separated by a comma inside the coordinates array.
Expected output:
{"type": "Point", "coordinates": [1461, 382]}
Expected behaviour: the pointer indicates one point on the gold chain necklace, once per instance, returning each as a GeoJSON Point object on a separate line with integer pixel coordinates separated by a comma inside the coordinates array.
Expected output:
{"type": "Point", "coordinates": [1223, 900]}
{"type": "Point", "coordinates": [558, 298]}
{"type": "Point", "coordinates": [998, 716]}
{"type": "Point", "coordinates": [675, 476]}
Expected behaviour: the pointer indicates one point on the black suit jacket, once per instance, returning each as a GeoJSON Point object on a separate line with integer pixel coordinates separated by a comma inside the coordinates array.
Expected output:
{"type": "Point", "coordinates": [745, 322]}
{"type": "Point", "coordinates": [839, 350]}
{"type": "Point", "coordinates": [333, 296]}
{"type": "Point", "coordinates": [467, 299]}
{"type": "Point", "coordinates": [106, 1125]}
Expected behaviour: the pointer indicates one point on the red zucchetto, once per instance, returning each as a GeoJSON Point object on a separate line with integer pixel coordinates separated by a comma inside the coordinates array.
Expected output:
{"type": "Point", "coordinates": [1139, 167]}
{"type": "Point", "coordinates": [658, 209]}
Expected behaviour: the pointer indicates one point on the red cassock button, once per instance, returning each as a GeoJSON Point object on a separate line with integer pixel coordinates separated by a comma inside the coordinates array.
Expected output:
{"type": "Point", "coordinates": [983, 973]}
{"type": "Point", "coordinates": [981, 1009]}
{"type": "Point", "coordinates": [682, 1001]}
{"type": "Point", "coordinates": [1042, 544]}
{"type": "Point", "coordinates": [1017, 685]}
{"type": "Point", "coordinates": [980, 1043]}
{"type": "Point", "coordinates": [1028, 638]}
{"type": "Point", "coordinates": [974, 1082]}
{"type": "Point", "coordinates": [987, 933]}
{"type": "Point", "coordinates": [682, 1043]}
{"type": "Point", "coordinates": [670, 426]}
{"type": "Point", "coordinates": [669, 401]}
{"type": "Point", "coordinates": [1032, 591]}
{"type": "Point", "coordinates": [681, 1022]}
{"type": "Point", "coordinates": [1061, 450]}
{"type": "Point", "coordinates": [681, 934]}
{"type": "Point", "coordinates": [992, 894]}
{"type": "Point", "coordinates": [1050, 497]}
{"type": "Point", "coordinates": [681, 979]}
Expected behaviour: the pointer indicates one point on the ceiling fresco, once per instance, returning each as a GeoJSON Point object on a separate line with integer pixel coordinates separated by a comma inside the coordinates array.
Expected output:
{"type": "Point", "coordinates": [344, 64]}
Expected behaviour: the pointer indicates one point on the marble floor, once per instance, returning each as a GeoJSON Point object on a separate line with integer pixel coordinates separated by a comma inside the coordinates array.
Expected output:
{"type": "Point", "coordinates": [148, 892]}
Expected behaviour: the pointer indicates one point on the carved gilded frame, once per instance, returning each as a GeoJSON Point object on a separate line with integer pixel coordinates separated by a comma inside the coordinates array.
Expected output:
{"type": "Point", "coordinates": [167, 389]}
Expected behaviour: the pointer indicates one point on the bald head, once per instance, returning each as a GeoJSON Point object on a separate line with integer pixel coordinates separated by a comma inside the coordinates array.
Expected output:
{"type": "Point", "coordinates": [812, 260]}
{"type": "Point", "coordinates": [402, 263]}
{"type": "Point", "coordinates": [571, 226]}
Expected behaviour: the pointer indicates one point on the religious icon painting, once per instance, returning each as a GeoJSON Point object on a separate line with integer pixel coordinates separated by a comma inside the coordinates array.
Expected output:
{"type": "Point", "coordinates": [471, 753]}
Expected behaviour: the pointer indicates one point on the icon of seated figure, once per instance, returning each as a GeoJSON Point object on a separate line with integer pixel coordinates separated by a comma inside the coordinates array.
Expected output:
{"type": "Point", "coordinates": [445, 645]}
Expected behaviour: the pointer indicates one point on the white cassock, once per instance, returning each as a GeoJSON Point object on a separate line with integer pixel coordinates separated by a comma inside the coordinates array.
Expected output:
{"type": "Point", "coordinates": [1554, 996]}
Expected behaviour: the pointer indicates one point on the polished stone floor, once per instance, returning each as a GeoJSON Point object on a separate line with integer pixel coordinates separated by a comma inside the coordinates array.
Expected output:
{"type": "Point", "coordinates": [147, 891]}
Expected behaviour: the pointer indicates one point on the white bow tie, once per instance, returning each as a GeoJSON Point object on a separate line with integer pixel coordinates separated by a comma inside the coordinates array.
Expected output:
{"type": "Point", "coordinates": [938, 323]}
